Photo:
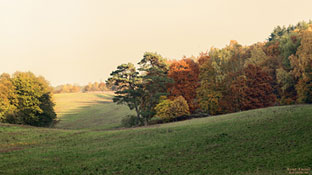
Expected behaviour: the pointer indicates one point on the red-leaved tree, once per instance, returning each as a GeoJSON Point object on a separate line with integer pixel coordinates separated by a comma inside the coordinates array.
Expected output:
{"type": "Point", "coordinates": [254, 88]}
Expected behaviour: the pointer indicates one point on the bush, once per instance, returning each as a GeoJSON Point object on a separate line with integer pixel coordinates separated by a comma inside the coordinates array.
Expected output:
{"type": "Point", "coordinates": [130, 121]}
{"type": "Point", "coordinates": [169, 109]}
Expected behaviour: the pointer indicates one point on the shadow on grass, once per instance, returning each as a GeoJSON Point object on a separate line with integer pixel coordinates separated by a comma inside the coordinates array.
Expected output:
{"type": "Point", "coordinates": [93, 115]}
{"type": "Point", "coordinates": [94, 102]}
{"type": "Point", "coordinates": [105, 96]}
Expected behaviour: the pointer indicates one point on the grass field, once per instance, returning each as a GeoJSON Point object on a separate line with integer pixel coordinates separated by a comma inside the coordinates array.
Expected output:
{"type": "Point", "coordinates": [262, 141]}
{"type": "Point", "coordinates": [88, 111]}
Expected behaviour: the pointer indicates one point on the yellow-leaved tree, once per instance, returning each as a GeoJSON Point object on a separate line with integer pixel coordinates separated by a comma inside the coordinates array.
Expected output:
{"type": "Point", "coordinates": [302, 67]}
{"type": "Point", "coordinates": [169, 109]}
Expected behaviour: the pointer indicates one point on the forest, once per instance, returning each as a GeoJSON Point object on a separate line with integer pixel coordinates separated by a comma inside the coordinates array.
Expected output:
{"type": "Point", "coordinates": [234, 78]}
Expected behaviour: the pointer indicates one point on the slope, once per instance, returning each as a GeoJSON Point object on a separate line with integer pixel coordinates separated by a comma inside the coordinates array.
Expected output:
{"type": "Point", "coordinates": [88, 111]}
{"type": "Point", "coordinates": [262, 141]}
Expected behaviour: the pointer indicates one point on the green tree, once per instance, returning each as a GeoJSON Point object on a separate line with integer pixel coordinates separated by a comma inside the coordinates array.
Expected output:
{"type": "Point", "coordinates": [258, 56]}
{"type": "Point", "coordinates": [28, 99]}
{"type": "Point", "coordinates": [128, 87]}
{"type": "Point", "coordinates": [155, 80]}
{"type": "Point", "coordinates": [286, 84]}
{"type": "Point", "coordinates": [35, 106]}
{"type": "Point", "coordinates": [288, 46]}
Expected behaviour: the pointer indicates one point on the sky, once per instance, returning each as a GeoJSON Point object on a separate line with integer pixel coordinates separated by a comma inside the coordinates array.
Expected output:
{"type": "Point", "coordinates": [81, 41]}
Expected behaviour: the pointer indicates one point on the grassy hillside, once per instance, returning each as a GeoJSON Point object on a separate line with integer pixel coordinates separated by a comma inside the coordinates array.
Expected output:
{"type": "Point", "coordinates": [88, 111]}
{"type": "Point", "coordinates": [263, 141]}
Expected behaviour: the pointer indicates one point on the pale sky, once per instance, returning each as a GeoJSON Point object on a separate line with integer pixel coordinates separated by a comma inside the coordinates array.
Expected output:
{"type": "Point", "coordinates": [81, 41]}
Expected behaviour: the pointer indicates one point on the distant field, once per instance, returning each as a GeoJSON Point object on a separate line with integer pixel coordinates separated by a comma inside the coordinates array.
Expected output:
{"type": "Point", "coordinates": [88, 111]}
{"type": "Point", "coordinates": [263, 141]}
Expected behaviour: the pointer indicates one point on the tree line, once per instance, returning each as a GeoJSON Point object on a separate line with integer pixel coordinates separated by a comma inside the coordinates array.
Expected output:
{"type": "Point", "coordinates": [73, 88]}
{"type": "Point", "coordinates": [234, 78]}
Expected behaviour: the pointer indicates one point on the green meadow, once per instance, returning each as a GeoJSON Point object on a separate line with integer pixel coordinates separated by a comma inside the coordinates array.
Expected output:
{"type": "Point", "coordinates": [88, 111]}
{"type": "Point", "coordinates": [88, 140]}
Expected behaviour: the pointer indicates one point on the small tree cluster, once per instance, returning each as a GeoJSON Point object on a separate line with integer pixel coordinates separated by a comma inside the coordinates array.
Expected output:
{"type": "Point", "coordinates": [140, 89]}
{"type": "Point", "coordinates": [26, 99]}
{"type": "Point", "coordinates": [93, 87]}
{"type": "Point", "coordinates": [67, 88]}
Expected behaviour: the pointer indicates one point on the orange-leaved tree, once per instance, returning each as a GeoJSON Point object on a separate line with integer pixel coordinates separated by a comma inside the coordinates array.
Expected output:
{"type": "Point", "coordinates": [185, 74]}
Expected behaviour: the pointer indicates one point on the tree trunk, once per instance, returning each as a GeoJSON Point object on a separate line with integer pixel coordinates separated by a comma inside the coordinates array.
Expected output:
{"type": "Point", "coordinates": [137, 111]}
{"type": "Point", "coordinates": [145, 122]}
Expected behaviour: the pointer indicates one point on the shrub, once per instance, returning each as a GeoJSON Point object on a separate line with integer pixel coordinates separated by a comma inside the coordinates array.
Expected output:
{"type": "Point", "coordinates": [130, 121]}
{"type": "Point", "coordinates": [169, 109]}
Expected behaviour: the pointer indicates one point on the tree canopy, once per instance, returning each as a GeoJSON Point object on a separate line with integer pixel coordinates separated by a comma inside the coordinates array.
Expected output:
{"type": "Point", "coordinates": [234, 78]}
{"type": "Point", "coordinates": [27, 99]}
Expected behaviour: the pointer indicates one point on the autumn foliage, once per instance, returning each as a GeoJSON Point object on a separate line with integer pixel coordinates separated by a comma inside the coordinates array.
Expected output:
{"type": "Point", "coordinates": [233, 78]}
{"type": "Point", "coordinates": [26, 99]}
{"type": "Point", "coordinates": [185, 74]}
{"type": "Point", "coordinates": [253, 89]}
{"type": "Point", "coordinates": [170, 109]}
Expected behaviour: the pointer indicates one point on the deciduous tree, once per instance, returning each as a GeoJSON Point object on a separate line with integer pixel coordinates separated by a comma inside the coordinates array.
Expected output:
{"type": "Point", "coordinates": [208, 92]}
{"type": "Point", "coordinates": [302, 67]}
{"type": "Point", "coordinates": [35, 106]}
{"type": "Point", "coordinates": [257, 90]}
{"type": "Point", "coordinates": [185, 74]}
{"type": "Point", "coordinates": [8, 98]}
{"type": "Point", "coordinates": [27, 99]}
